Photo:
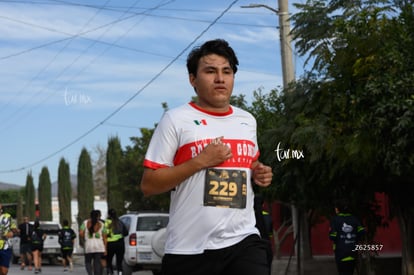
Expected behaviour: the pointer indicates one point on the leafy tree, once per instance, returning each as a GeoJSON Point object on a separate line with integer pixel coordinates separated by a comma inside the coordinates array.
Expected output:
{"type": "Point", "coordinates": [239, 101]}
{"type": "Point", "coordinates": [115, 189]}
{"type": "Point", "coordinates": [389, 117]}
{"type": "Point", "coordinates": [64, 191]}
{"type": "Point", "coordinates": [30, 209]}
{"type": "Point", "coordinates": [85, 186]}
{"type": "Point", "coordinates": [353, 116]}
{"type": "Point", "coordinates": [132, 171]}
{"type": "Point", "coordinates": [45, 195]}
{"type": "Point", "coordinates": [99, 171]}
{"type": "Point", "coordinates": [11, 196]}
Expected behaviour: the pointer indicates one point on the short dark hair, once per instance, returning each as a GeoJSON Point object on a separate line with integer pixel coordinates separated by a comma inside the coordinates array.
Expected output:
{"type": "Point", "coordinates": [112, 213]}
{"type": "Point", "coordinates": [342, 205]}
{"type": "Point", "coordinates": [217, 46]}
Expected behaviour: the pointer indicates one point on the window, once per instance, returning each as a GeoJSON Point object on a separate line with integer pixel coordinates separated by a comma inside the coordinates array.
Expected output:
{"type": "Point", "coordinates": [126, 221]}
{"type": "Point", "coordinates": [49, 228]}
{"type": "Point", "coordinates": [151, 223]}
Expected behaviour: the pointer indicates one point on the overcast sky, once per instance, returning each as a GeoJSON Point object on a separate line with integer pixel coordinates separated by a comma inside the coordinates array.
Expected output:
{"type": "Point", "coordinates": [76, 72]}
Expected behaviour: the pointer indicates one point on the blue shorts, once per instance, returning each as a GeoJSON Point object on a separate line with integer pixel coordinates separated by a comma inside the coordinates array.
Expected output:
{"type": "Point", "coordinates": [5, 256]}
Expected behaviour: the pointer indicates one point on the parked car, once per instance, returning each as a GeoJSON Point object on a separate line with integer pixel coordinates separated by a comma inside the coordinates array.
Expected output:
{"type": "Point", "coordinates": [51, 246]}
{"type": "Point", "coordinates": [144, 245]}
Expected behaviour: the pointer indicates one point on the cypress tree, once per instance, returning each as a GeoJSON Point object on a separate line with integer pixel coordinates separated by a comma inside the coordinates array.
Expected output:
{"type": "Point", "coordinates": [85, 186]}
{"type": "Point", "coordinates": [115, 198]}
{"type": "Point", "coordinates": [64, 191]}
{"type": "Point", "coordinates": [45, 195]}
{"type": "Point", "coordinates": [30, 207]}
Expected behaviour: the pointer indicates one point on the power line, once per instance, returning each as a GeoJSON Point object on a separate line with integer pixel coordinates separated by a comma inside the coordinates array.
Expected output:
{"type": "Point", "coordinates": [114, 8]}
{"type": "Point", "coordinates": [130, 99]}
{"type": "Point", "coordinates": [49, 63]}
{"type": "Point", "coordinates": [5, 126]}
{"type": "Point", "coordinates": [81, 34]}
{"type": "Point", "coordinates": [69, 40]}
{"type": "Point", "coordinates": [121, 125]}
{"type": "Point", "coordinates": [133, 14]}
{"type": "Point", "coordinates": [71, 36]}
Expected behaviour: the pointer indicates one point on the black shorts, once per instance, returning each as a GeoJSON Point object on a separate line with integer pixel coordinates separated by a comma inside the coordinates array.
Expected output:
{"type": "Point", "coordinates": [25, 248]}
{"type": "Point", "coordinates": [67, 253]}
{"type": "Point", "coordinates": [345, 268]}
{"type": "Point", "coordinates": [245, 258]}
{"type": "Point", "coordinates": [37, 247]}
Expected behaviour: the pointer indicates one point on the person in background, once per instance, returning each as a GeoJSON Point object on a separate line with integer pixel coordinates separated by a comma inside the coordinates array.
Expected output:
{"type": "Point", "coordinates": [25, 231]}
{"type": "Point", "coordinates": [116, 231]}
{"type": "Point", "coordinates": [7, 229]}
{"type": "Point", "coordinates": [345, 232]}
{"type": "Point", "coordinates": [94, 233]}
{"type": "Point", "coordinates": [265, 226]}
{"type": "Point", "coordinates": [67, 238]}
{"type": "Point", "coordinates": [37, 238]}
{"type": "Point", "coordinates": [206, 154]}
{"type": "Point", "coordinates": [103, 258]}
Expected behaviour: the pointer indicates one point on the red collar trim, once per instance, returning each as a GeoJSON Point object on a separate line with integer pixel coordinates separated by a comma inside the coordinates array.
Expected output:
{"type": "Point", "coordinates": [229, 112]}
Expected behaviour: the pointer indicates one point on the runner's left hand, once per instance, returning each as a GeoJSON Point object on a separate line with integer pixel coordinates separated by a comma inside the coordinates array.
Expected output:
{"type": "Point", "coordinates": [262, 175]}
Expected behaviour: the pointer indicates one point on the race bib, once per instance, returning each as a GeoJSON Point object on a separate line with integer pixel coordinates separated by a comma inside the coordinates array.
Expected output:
{"type": "Point", "coordinates": [225, 188]}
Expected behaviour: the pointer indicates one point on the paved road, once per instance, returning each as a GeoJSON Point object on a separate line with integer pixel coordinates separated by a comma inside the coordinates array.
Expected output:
{"type": "Point", "coordinates": [47, 269]}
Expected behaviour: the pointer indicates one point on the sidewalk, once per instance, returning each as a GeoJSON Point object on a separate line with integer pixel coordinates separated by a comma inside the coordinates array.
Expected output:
{"type": "Point", "coordinates": [318, 265]}
{"type": "Point", "coordinates": [383, 265]}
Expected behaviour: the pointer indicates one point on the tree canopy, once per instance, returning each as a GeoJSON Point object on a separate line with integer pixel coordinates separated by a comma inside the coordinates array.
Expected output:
{"type": "Point", "coordinates": [351, 114]}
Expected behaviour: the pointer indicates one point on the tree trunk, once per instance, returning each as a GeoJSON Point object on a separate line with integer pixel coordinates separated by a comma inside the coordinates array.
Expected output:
{"type": "Point", "coordinates": [406, 222]}
{"type": "Point", "coordinates": [280, 235]}
{"type": "Point", "coordinates": [301, 233]}
{"type": "Point", "coordinates": [305, 239]}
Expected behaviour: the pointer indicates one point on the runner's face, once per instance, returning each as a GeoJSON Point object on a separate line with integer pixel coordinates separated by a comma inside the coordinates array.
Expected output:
{"type": "Point", "coordinates": [214, 83]}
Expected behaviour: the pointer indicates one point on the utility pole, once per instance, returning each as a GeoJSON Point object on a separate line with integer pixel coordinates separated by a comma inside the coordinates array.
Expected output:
{"type": "Point", "coordinates": [285, 38]}
{"type": "Point", "coordinates": [288, 76]}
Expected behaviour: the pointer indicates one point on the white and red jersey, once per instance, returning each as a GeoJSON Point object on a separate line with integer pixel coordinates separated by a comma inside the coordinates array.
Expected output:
{"type": "Point", "coordinates": [195, 225]}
